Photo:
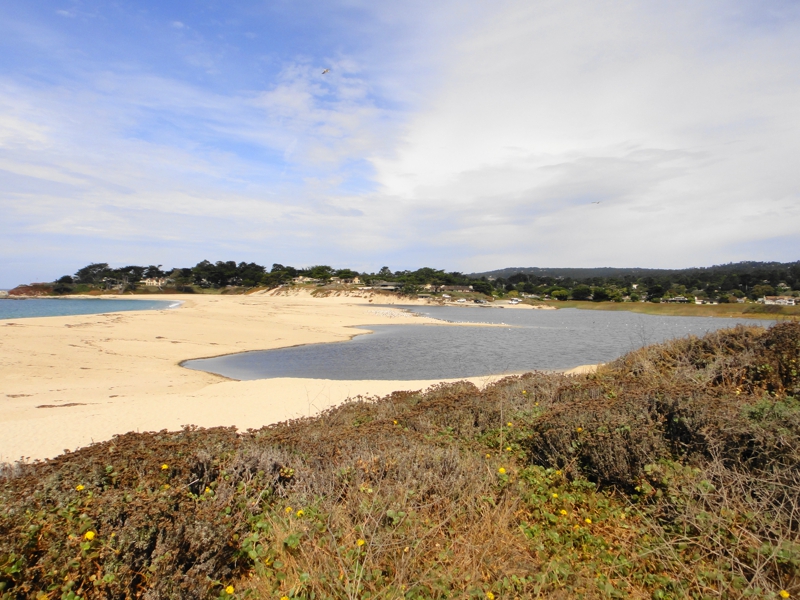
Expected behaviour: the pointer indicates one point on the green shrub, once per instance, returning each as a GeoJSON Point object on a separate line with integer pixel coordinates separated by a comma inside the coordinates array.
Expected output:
{"type": "Point", "coordinates": [670, 473]}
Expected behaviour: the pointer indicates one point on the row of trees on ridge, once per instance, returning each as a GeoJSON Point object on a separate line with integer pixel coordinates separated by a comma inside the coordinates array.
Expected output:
{"type": "Point", "coordinates": [721, 283]}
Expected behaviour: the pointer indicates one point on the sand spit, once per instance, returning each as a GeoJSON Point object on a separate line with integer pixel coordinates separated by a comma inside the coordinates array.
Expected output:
{"type": "Point", "coordinates": [68, 381]}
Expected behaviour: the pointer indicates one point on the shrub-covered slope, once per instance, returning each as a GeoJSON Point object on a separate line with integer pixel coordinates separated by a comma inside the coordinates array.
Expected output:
{"type": "Point", "coordinates": [673, 472]}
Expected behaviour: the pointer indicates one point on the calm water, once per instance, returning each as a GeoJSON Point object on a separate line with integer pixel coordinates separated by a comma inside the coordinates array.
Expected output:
{"type": "Point", "coordinates": [533, 339]}
{"type": "Point", "coordinates": [61, 307]}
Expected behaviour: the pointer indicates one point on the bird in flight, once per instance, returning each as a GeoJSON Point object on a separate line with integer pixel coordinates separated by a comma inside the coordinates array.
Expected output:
{"type": "Point", "coordinates": [326, 71]}
{"type": "Point", "coordinates": [598, 202]}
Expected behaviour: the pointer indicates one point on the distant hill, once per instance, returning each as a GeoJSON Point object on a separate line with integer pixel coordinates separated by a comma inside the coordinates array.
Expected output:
{"type": "Point", "coordinates": [636, 272]}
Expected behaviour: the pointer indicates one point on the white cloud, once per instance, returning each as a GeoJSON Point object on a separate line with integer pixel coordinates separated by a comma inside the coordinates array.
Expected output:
{"type": "Point", "coordinates": [468, 136]}
{"type": "Point", "coordinates": [682, 122]}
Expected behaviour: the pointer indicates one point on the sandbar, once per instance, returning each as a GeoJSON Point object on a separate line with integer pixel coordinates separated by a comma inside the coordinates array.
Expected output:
{"type": "Point", "coordinates": [66, 382]}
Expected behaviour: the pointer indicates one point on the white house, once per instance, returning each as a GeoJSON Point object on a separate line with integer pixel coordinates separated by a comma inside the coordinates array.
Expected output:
{"type": "Point", "coordinates": [779, 300]}
{"type": "Point", "coordinates": [154, 281]}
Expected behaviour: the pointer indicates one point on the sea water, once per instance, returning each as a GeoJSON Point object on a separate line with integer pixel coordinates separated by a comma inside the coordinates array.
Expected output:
{"type": "Point", "coordinates": [519, 340]}
{"type": "Point", "coordinates": [13, 308]}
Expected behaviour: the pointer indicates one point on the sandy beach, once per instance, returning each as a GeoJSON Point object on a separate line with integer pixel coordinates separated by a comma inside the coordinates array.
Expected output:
{"type": "Point", "coordinates": [71, 381]}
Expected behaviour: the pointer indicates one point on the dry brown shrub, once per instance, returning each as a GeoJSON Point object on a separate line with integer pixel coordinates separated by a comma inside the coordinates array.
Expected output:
{"type": "Point", "coordinates": [701, 437]}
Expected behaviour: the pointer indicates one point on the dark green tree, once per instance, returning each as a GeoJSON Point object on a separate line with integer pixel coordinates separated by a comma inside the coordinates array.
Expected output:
{"type": "Point", "coordinates": [93, 273]}
{"type": "Point", "coordinates": [323, 272]}
{"type": "Point", "coordinates": [581, 292]}
{"type": "Point", "coordinates": [655, 290]}
{"type": "Point", "coordinates": [484, 287]}
{"type": "Point", "coordinates": [154, 272]}
{"type": "Point", "coordinates": [346, 274]}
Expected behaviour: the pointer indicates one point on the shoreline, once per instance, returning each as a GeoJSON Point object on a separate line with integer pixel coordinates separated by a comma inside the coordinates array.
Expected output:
{"type": "Point", "coordinates": [70, 381]}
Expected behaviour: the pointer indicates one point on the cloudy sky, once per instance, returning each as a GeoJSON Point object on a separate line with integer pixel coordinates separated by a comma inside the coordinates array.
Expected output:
{"type": "Point", "coordinates": [465, 135]}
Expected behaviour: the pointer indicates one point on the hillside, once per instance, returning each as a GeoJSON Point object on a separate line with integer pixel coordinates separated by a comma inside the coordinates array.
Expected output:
{"type": "Point", "coordinates": [638, 273]}
{"type": "Point", "coordinates": [671, 473]}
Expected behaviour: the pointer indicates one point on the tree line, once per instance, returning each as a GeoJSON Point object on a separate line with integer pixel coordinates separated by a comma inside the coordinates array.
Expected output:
{"type": "Point", "coordinates": [718, 283]}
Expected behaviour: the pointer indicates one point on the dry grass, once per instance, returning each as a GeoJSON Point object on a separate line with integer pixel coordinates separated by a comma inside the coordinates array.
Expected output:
{"type": "Point", "coordinates": [741, 311]}
{"type": "Point", "coordinates": [672, 473]}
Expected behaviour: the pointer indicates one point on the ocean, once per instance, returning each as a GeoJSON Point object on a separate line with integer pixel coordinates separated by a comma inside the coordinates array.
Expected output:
{"type": "Point", "coordinates": [59, 307]}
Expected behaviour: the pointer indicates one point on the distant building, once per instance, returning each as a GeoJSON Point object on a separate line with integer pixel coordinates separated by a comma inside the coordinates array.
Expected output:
{"type": "Point", "coordinates": [456, 288]}
{"type": "Point", "coordinates": [154, 281]}
{"type": "Point", "coordinates": [389, 286]}
{"type": "Point", "coordinates": [778, 300]}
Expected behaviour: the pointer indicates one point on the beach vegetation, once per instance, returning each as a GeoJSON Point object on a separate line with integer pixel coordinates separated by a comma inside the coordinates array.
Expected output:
{"type": "Point", "coordinates": [669, 473]}
{"type": "Point", "coordinates": [742, 283]}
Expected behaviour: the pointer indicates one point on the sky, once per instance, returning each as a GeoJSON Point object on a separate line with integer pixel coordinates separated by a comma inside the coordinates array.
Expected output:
{"type": "Point", "coordinates": [462, 134]}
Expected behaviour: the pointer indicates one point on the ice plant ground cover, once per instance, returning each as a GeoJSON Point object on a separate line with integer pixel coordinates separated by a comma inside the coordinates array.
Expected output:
{"type": "Point", "coordinates": [672, 473]}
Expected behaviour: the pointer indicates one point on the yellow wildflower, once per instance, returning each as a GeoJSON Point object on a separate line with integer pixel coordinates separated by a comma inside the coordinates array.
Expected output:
{"type": "Point", "coordinates": [229, 590]}
{"type": "Point", "coordinates": [488, 456]}
{"type": "Point", "coordinates": [524, 391]}
{"type": "Point", "coordinates": [508, 448]}
{"type": "Point", "coordinates": [510, 424]}
{"type": "Point", "coordinates": [588, 521]}
{"type": "Point", "coordinates": [623, 516]}
{"type": "Point", "coordinates": [89, 535]}
{"type": "Point", "coordinates": [288, 509]}
{"type": "Point", "coordinates": [164, 467]}
{"type": "Point", "coordinates": [360, 542]}
{"type": "Point", "coordinates": [80, 488]}
{"type": "Point", "coordinates": [284, 597]}
{"type": "Point", "coordinates": [563, 512]}
{"type": "Point", "coordinates": [300, 513]}
{"type": "Point", "coordinates": [784, 594]}
{"type": "Point", "coordinates": [207, 490]}
{"type": "Point", "coordinates": [165, 486]}
{"type": "Point", "coordinates": [579, 429]}
{"type": "Point", "coordinates": [555, 495]}
{"type": "Point", "coordinates": [490, 595]}
{"type": "Point", "coordinates": [501, 470]}
{"type": "Point", "coordinates": [558, 472]}
{"type": "Point", "coordinates": [406, 549]}
{"type": "Point", "coordinates": [395, 421]}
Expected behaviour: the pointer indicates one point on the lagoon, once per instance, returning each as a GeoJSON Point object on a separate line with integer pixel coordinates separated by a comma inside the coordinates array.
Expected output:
{"type": "Point", "coordinates": [520, 340]}
{"type": "Point", "coordinates": [14, 308]}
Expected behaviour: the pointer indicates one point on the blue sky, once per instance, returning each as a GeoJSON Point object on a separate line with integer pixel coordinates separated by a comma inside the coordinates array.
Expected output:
{"type": "Point", "coordinates": [462, 135]}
